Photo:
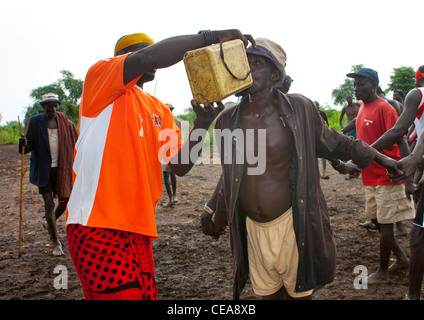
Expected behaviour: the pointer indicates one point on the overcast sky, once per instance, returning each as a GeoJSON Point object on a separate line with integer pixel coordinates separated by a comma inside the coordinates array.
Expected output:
{"type": "Point", "coordinates": [322, 39]}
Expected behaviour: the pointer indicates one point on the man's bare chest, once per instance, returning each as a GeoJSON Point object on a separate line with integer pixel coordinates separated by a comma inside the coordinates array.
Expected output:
{"type": "Point", "coordinates": [267, 133]}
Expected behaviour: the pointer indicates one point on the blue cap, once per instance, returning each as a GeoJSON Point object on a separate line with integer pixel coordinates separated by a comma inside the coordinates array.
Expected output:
{"type": "Point", "coordinates": [367, 73]}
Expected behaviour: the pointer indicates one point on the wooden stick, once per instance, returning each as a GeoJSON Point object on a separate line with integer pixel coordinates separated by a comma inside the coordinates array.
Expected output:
{"type": "Point", "coordinates": [22, 183]}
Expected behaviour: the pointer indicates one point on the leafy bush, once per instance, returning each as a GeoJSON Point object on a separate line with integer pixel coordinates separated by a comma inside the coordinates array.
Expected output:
{"type": "Point", "coordinates": [9, 133]}
{"type": "Point", "coordinates": [333, 116]}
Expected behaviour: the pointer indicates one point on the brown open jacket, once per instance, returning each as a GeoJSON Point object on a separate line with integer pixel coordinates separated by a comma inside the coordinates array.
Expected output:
{"type": "Point", "coordinates": [312, 137]}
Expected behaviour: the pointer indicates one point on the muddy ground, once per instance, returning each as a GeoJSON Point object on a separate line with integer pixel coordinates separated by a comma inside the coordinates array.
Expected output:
{"type": "Point", "coordinates": [188, 264]}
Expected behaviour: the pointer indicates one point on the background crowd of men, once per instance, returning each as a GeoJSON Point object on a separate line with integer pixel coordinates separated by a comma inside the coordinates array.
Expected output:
{"type": "Point", "coordinates": [278, 221]}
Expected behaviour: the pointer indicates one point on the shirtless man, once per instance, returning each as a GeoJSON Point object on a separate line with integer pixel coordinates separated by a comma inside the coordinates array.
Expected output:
{"type": "Point", "coordinates": [282, 204]}
{"type": "Point", "coordinates": [169, 177]}
{"type": "Point", "coordinates": [351, 111]}
{"type": "Point", "coordinates": [398, 95]}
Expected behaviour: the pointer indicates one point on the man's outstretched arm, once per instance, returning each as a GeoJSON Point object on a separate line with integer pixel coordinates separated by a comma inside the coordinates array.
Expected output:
{"type": "Point", "coordinates": [168, 52]}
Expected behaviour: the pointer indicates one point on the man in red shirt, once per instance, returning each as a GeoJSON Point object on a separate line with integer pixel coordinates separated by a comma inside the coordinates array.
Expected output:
{"type": "Point", "coordinates": [385, 201]}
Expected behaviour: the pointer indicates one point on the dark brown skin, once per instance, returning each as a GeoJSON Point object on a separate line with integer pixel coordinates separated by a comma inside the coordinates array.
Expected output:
{"type": "Point", "coordinates": [147, 58]}
{"type": "Point", "coordinates": [408, 165]}
{"type": "Point", "coordinates": [51, 214]}
{"type": "Point", "coordinates": [51, 108]}
{"type": "Point", "coordinates": [169, 51]}
{"type": "Point", "coordinates": [263, 114]}
{"type": "Point", "coordinates": [366, 90]}
{"type": "Point", "coordinates": [406, 119]}
{"type": "Point", "coordinates": [351, 113]}
{"type": "Point", "coordinates": [265, 197]}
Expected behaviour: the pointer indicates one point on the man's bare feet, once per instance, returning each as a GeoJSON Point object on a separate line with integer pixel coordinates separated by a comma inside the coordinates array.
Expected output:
{"type": "Point", "coordinates": [379, 277]}
{"type": "Point", "coordinates": [57, 251]}
{"type": "Point", "coordinates": [167, 204]}
{"type": "Point", "coordinates": [400, 231]}
{"type": "Point", "coordinates": [368, 225]}
{"type": "Point", "coordinates": [398, 265]}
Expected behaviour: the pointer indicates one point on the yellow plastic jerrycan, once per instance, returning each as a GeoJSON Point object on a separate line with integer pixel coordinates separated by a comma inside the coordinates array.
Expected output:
{"type": "Point", "coordinates": [217, 71]}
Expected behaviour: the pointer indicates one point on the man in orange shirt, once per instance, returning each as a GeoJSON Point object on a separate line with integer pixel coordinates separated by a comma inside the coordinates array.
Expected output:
{"type": "Point", "coordinates": [124, 134]}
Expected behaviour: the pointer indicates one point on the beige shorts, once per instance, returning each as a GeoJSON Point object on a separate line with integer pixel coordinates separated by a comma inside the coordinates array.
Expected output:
{"type": "Point", "coordinates": [273, 256]}
{"type": "Point", "coordinates": [388, 204]}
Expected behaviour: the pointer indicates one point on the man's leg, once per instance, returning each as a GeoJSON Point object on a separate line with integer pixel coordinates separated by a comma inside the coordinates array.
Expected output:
{"type": "Point", "coordinates": [400, 229]}
{"type": "Point", "coordinates": [324, 166]}
{"type": "Point", "coordinates": [112, 264]}
{"type": "Point", "coordinates": [416, 266]}
{"type": "Point", "coordinates": [51, 223]}
{"type": "Point", "coordinates": [168, 188]}
{"type": "Point", "coordinates": [402, 261]}
{"type": "Point", "coordinates": [386, 244]}
{"type": "Point", "coordinates": [61, 207]}
{"type": "Point", "coordinates": [392, 205]}
{"type": "Point", "coordinates": [174, 187]}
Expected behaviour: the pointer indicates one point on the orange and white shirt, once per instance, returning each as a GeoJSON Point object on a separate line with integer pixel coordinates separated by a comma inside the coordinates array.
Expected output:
{"type": "Point", "coordinates": [117, 170]}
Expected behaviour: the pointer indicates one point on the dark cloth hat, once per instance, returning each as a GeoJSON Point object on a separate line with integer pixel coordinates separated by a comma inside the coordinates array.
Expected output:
{"type": "Point", "coordinates": [367, 73]}
{"type": "Point", "coordinates": [272, 51]}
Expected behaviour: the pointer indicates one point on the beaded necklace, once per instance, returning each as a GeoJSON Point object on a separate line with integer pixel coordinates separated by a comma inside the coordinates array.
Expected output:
{"type": "Point", "coordinates": [348, 111]}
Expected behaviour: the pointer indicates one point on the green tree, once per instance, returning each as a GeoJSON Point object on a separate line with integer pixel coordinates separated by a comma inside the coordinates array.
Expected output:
{"type": "Point", "coordinates": [339, 94]}
{"type": "Point", "coordinates": [69, 91]}
{"type": "Point", "coordinates": [403, 78]}
{"type": "Point", "coordinates": [189, 115]}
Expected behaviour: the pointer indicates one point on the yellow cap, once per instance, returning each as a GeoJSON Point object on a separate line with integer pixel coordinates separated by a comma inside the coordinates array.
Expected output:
{"type": "Point", "coordinates": [131, 39]}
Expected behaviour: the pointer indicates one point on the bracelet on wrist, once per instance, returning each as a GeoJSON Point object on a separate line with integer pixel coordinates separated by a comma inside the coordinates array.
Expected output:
{"type": "Point", "coordinates": [208, 210]}
{"type": "Point", "coordinates": [336, 164]}
{"type": "Point", "coordinates": [208, 37]}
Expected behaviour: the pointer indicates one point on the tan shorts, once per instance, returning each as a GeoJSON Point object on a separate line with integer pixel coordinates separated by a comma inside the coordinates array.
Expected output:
{"type": "Point", "coordinates": [273, 256]}
{"type": "Point", "coordinates": [388, 204]}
